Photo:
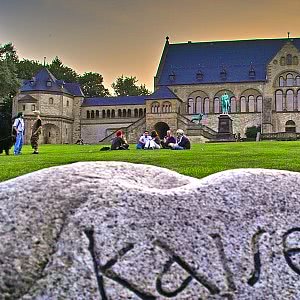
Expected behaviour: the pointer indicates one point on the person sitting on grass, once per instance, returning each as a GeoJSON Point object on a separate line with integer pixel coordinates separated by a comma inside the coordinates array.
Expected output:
{"type": "Point", "coordinates": [155, 140]}
{"type": "Point", "coordinates": [119, 142]}
{"type": "Point", "coordinates": [168, 139]}
{"type": "Point", "coordinates": [144, 141]}
{"type": "Point", "coordinates": [182, 142]}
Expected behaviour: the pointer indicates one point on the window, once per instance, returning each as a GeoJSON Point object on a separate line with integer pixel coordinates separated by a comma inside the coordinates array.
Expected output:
{"type": "Point", "coordinates": [279, 100]}
{"type": "Point", "coordinates": [243, 104]}
{"type": "Point", "coordinates": [295, 60]}
{"type": "Point", "coordinates": [103, 114]}
{"type": "Point", "coordinates": [23, 107]}
{"type": "Point", "coordinates": [190, 106]}
{"type": "Point", "coordinates": [223, 74]}
{"type": "Point", "coordinates": [68, 103]}
{"type": "Point", "coordinates": [33, 107]}
{"type": "Point", "coordinates": [298, 100]}
{"type": "Point", "coordinates": [199, 75]}
{"type": "Point", "coordinates": [290, 100]}
{"type": "Point", "coordinates": [88, 114]}
{"type": "Point", "coordinates": [113, 113]}
{"type": "Point", "coordinates": [251, 103]}
{"type": "Point", "coordinates": [51, 101]}
{"type": "Point", "coordinates": [281, 81]}
{"type": "Point", "coordinates": [92, 114]}
{"type": "Point", "coordinates": [172, 76]}
{"type": "Point", "coordinates": [97, 114]}
{"type": "Point", "coordinates": [124, 113]}
{"type": "Point", "coordinates": [49, 83]}
{"type": "Point", "coordinates": [155, 107]}
{"type": "Point", "coordinates": [282, 61]}
{"type": "Point", "coordinates": [198, 105]}
{"type": "Point", "coordinates": [108, 113]}
{"type": "Point", "coordinates": [216, 105]}
{"type": "Point", "coordinates": [298, 81]}
{"type": "Point", "coordinates": [259, 104]}
{"type": "Point", "coordinates": [289, 60]}
{"type": "Point", "coordinates": [66, 131]}
{"type": "Point", "coordinates": [141, 112]}
{"type": "Point", "coordinates": [136, 112]}
{"type": "Point", "coordinates": [129, 113]}
{"type": "Point", "coordinates": [233, 105]}
{"type": "Point", "coordinates": [290, 126]}
{"type": "Point", "coordinates": [206, 105]}
{"type": "Point", "coordinates": [119, 113]}
{"type": "Point", "coordinates": [166, 107]}
{"type": "Point", "coordinates": [289, 80]}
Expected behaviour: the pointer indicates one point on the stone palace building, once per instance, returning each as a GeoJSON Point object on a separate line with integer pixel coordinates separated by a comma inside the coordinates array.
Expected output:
{"type": "Point", "coordinates": [262, 78]}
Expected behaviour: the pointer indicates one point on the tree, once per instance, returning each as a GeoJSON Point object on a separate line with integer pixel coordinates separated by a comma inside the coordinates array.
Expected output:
{"type": "Point", "coordinates": [127, 86]}
{"type": "Point", "coordinates": [61, 71]}
{"type": "Point", "coordinates": [92, 85]}
{"type": "Point", "coordinates": [26, 68]}
{"type": "Point", "coordinates": [9, 83]}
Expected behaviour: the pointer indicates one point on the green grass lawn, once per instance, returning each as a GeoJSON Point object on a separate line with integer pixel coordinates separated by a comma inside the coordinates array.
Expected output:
{"type": "Point", "coordinates": [200, 161]}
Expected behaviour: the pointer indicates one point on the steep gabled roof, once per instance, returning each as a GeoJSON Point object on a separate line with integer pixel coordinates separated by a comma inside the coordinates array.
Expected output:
{"type": "Point", "coordinates": [121, 100]}
{"type": "Point", "coordinates": [39, 83]}
{"type": "Point", "coordinates": [217, 62]}
{"type": "Point", "coordinates": [162, 93]}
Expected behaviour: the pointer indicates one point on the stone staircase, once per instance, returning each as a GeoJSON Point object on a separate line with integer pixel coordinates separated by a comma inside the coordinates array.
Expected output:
{"type": "Point", "coordinates": [132, 132]}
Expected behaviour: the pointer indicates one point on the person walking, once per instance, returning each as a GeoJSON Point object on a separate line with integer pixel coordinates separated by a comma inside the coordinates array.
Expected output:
{"type": "Point", "coordinates": [19, 127]}
{"type": "Point", "coordinates": [36, 130]}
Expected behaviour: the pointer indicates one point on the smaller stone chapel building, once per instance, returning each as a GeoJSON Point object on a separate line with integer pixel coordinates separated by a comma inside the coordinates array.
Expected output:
{"type": "Point", "coordinates": [262, 78]}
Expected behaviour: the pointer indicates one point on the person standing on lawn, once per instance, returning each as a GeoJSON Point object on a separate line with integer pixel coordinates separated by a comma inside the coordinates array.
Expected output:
{"type": "Point", "coordinates": [36, 130]}
{"type": "Point", "coordinates": [19, 128]}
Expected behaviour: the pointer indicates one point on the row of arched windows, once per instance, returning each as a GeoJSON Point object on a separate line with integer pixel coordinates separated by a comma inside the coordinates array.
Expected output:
{"type": "Point", "coordinates": [244, 104]}
{"type": "Point", "coordinates": [289, 80]}
{"type": "Point", "coordinates": [289, 60]}
{"type": "Point", "coordinates": [165, 108]}
{"type": "Point", "coordinates": [287, 101]}
{"type": "Point", "coordinates": [112, 113]}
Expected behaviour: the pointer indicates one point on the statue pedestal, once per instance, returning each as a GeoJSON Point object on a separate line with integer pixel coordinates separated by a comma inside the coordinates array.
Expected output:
{"type": "Point", "coordinates": [225, 133]}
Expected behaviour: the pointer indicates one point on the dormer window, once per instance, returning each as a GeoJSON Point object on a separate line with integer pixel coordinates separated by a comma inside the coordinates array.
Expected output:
{"type": "Point", "coordinates": [223, 74]}
{"type": "Point", "coordinates": [172, 76]}
{"type": "Point", "coordinates": [199, 75]}
{"type": "Point", "coordinates": [32, 81]}
{"type": "Point", "coordinates": [49, 83]}
{"type": "Point", "coordinates": [252, 73]}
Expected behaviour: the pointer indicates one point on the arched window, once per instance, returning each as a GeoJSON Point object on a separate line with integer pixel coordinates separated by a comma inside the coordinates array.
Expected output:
{"type": "Point", "coordinates": [51, 101]}
{"type": "Point", "coordinates": [92, 114]}
{"type": "Point", "coordinates": [289, 100]}
{"type": "Point", "coordinates": [295, 60]}
{"type": "Point", "coordinates": [259, 104]}
{"type": "Point", "coordinates": [166, 107]}
{"type": "Point", "coordinates": [155, 107]}
{"type": "Point", "coordinates": [97, 114]}
{"type": "Point", "coordinates": [141, 112]}
{"type": "Point", "coordinates": [144, 111]}
{"type": "Point", "coordinates": [216, 105]}
{"type": "Point", "coordinates": [298, 81]}
{"type": "Point", "coordinates": [119, 113]}
{"type": "Point", "coordinates": [136, 112]}
{"type": "Point", "coordinates": [190, 106]}
{"type": "Point", "coordinates": [243, 104]}
{"type": "Point", "coordinates": [206, 105]}
{"type": "Point", "coordinates": [88, 115]}
{"type": "Point", "coordinates": [282, 61]}
{"type": "Point", "coordinates": [251, 103]}
{"type": "Point", "coordinates": [108, 113]}
{"type": "Point", "coordinates": [124, 113]}
{"type": "Point", "coordinates": [113, 113]}
{"type": "Point", "coordinates": [198, 105]}
{"type": "Point", "coordinates": [129, 113]}
{"type": "Point", "coordinates": [298, 100]}
{"type": "Point", "coordinates": [279, 100]}
{"type": "Point", "coordinates": [233, 105]}
{"type": "Point", "coordinates": [289, 80]}
{"type": "Point", "coordinates": [103, 114]}
{"type": "Point", "coordinates": [290, 126]}
{"type": "Point", "coordinates": [289, 59]}
{"type": "Point", "coordinates": [281, 81]}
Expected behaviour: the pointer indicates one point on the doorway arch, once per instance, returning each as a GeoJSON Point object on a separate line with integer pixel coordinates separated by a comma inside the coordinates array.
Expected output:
{"type": "Point", "coordinates": [161, 128]}
{"type": "Point", "coordinates": [50, 134]}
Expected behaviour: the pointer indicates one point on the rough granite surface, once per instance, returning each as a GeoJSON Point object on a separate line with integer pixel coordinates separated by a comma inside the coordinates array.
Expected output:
{"type": "Point", "coordinates": [110, 230]}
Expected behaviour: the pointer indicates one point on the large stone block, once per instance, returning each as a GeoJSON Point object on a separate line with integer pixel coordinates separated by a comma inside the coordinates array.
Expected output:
{"type": "Point", "coordinates": [108, 230]}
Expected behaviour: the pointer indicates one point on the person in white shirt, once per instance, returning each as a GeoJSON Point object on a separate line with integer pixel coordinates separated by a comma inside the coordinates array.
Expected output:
{"type": "Point", "coordinates": [144, 141]}
{"type": "Point", "coordinates": [19, 127]}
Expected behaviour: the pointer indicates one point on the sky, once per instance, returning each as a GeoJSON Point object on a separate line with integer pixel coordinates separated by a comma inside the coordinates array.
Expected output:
{"type": "Point", "coordinates": [126, 37]}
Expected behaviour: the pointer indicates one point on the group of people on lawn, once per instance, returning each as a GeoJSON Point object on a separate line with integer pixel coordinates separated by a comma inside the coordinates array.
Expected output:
{"type": "Point", "coordinates": [151, 141]}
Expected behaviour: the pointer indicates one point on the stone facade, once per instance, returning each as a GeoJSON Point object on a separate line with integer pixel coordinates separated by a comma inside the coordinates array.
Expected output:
{"type": "Point", "coordinates": [272, 103]}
